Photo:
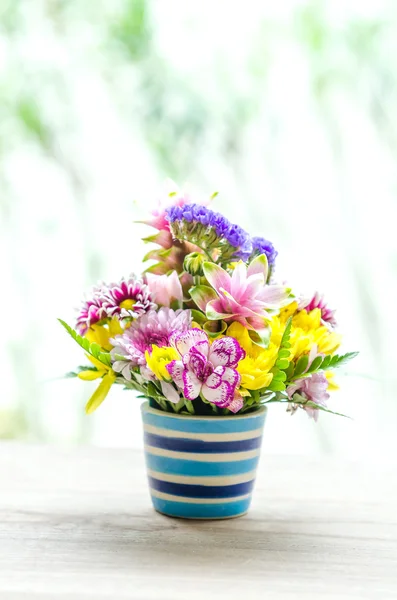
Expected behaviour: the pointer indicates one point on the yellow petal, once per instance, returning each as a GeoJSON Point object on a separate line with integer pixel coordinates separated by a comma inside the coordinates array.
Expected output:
{"type": "Point", "coordinates": [97, 363]}
{"type": "Point", "coordinates": [100, 393]}
{"type": "Point", "coordinates": [90, 375]}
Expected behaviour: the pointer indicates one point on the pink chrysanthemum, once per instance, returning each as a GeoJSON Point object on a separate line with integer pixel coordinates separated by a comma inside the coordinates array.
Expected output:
{"type": "Point", "coordinates": [129, 298]}
{"type": "Point", "coordinates": [152, 328]}
{"type": "Point", "coordinates": [91, 311]}
{"type": "Point", "coordinates": [317, 301]}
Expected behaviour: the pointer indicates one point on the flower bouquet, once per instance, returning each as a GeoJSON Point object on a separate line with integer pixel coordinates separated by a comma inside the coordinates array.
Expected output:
{"type": "Point", "coordinates": [209, 338]}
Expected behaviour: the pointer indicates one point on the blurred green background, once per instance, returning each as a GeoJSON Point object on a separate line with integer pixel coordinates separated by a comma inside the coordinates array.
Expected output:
{"type": "Point", "coordinates": [287, 109]}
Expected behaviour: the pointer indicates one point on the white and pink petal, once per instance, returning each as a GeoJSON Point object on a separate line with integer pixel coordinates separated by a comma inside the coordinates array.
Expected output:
{"type": "Point", "coordinates": [191, 385]}
{"type": "Point", "coordinates": [226, 351]}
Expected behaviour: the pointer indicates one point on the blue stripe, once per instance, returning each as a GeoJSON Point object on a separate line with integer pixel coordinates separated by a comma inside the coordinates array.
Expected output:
{"type": "Point", "coordinates": [179, 466]}
{"type": "Point", "coordinates": [197, 425]}
{"type": "Point", "coordinates": [199, 446]}
{"type": "Point", "coordinates": [201, 511]}
{"type": "Point", "coordinates": [201, 491]}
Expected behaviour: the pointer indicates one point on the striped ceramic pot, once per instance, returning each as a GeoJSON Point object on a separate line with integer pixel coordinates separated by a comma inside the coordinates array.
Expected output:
{"type": "Point", "coordinates": [202, 467]}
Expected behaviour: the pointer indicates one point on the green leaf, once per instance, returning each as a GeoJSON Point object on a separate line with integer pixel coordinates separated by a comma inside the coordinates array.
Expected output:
{"type": "Point", "coordinates": [316, 364]}
{"type": "Point", "coordinates": [93, 349]}
{"type": "Point", "coordinates": [301, 365]}
{"type": "Point", "coordinates": [282, 363]}
{"type": "Point", "coordinates": [338, 360]}
{"type": "Point", "coordinates": [198, 316]}
{"type": "Point", "coordinates": [283, 353]}
{"type": "Point", "coordinates": [276, 386]}
{"type": "Point", "coordinates": [326, 361]}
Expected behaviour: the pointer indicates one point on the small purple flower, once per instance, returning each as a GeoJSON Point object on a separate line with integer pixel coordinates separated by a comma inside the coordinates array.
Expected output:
{"type": "Point", "coordinates": [262, 246]}
{"type": "Point", "coordinates": [207, 369]}
{"type": "Point", "coordinates": [152, 328]}
{"type": "Point", "coordinates": [312, 388]}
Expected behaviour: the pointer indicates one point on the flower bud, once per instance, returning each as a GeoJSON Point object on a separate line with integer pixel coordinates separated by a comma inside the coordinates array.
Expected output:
{"type": "Point", "coordinates": [193, 263]}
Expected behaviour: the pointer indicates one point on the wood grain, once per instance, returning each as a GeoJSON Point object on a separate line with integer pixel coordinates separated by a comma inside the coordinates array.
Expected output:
{"type": "Point", "coordinates": [78, 524]}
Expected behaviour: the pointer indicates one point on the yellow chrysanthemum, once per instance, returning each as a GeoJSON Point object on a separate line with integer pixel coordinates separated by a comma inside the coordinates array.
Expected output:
{"type": "Point", "coordinates": [101, 334]}
{"type": "Point", "coordinates": [158, 360]}
{"type": "Point", "coordinates": [306, 331]}
{"type": "Point", "coordinates": [254, 368]}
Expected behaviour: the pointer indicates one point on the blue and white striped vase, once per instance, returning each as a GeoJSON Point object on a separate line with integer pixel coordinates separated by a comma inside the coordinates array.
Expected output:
{"type": "Point", "coordinates": [202, 467]}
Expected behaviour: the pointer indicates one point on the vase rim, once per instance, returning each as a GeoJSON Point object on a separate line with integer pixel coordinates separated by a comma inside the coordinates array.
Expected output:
{"type": "Point", "coordinates": [145, 407]}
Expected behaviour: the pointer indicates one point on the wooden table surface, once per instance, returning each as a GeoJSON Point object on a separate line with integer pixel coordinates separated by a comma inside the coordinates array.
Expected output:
{"type": "Point", "coordinates": [78, 524]}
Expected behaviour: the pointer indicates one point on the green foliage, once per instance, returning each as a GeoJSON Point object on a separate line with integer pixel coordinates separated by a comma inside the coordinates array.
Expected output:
{"type": "Point", "coordinates": [282, 363]}
{"type": "Point", "coordinates": [93, 349]}
{"type": "Point", "coordinates": [300, 400]}
{"type": "Point", "coordinates": [319, 364]}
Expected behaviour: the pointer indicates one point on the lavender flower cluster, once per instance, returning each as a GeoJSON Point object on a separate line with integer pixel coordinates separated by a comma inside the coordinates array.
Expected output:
{"type": "Point", "coordinates": [262, 246]}
{"type": "Point", "coordinates": [232, 234]}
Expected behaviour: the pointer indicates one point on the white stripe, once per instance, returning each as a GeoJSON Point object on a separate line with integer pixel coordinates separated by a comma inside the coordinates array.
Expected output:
{"type": "Point", "coordinates": [221, 457]}
{"type": "Point", "coordinates": [205, 437]}
{"type": "Point", "coordinates": [192, 480]}
{"type": "Point", "coordinates": [172, 498]}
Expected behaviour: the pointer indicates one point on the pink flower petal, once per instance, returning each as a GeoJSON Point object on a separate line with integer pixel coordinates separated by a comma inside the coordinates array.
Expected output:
{"type": "Point", "coordinates": [175, 368]}
{"type": "Point", "coordinates": [274, 296]}
{"type": "Point", "coordinates": [214, 380]}
{"type": "Point", "coordinates": [230, 375]}
{"type": "Point", "coordinates": [191, 385]}
{"type": "Point", "coordinates": [221, 396]}
{"type": "Point", "coordinates": [217, 277]}
{"type": "Point", "coordinates": [259, 265]}
{"type": "Point", "coordinates": [170, 392]}
{"type": "Point", "coordinates": [216, 310]}
{"type": "Point", "coordinates": [236, 404]}
{"type": "Point", "coordinates": [226, 351]}
{"type": "Point", "coordinates": [186, 340]}
{"type": "Point", "coordinates": [239, 280]}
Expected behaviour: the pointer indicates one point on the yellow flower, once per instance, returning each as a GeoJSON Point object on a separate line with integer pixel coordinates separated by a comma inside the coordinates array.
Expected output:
{"type": "Point", "coordinates": [288, 311]}
{"type": "Point", "coordinates": [101, 334]}
{"type": "Point", "coordinates": [158, 360]}
{"type": "Point", "coordinates": [108, 377]}
{"type": "Point", "coordinates": [306, 330]}
{"type": "Point", "coordinates": [254, 368]}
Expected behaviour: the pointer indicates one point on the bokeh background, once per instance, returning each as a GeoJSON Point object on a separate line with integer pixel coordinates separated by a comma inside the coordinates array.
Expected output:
{"type": "Point", "coordinates": [287, 109]}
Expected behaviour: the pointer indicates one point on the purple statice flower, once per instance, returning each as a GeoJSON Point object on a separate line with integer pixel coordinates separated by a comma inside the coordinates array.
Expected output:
{"type": "Point", "coordinates": [92, 310]}
{"type": "Point", "coordinates": [311, 388]}
{"type": "Point", "coordinates": [226, 233]}
{"type": "Point", "coordinates": [129, 298]}
{"type": "Point", "coordinates": [317, 301]}
{"type": "Point", "coordinates": [207, 369]}
{"type": "Point", "coordinates": [152, 328]}
{"type": "Point", "coordinates": [262, 246]}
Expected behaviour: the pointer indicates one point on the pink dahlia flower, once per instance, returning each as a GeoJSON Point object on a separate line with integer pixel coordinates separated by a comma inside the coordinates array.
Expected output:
{"type": "Point", "coordinates": [242, 296]}
{"type": "Point", "coordinates": [152, 328]}
{"type": "Point", "coordinates": [165, 289]}
{"type": "Point", "coordinates": [207, 369]}
{"type": "Point", "coordinates": [312, 388]}
{"type": "Point", "coordinates": [91, 311]}
{"type": "Point", "coordinates": [129, 298]}
{"type": "Point", "coordinates": [317, 301]}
